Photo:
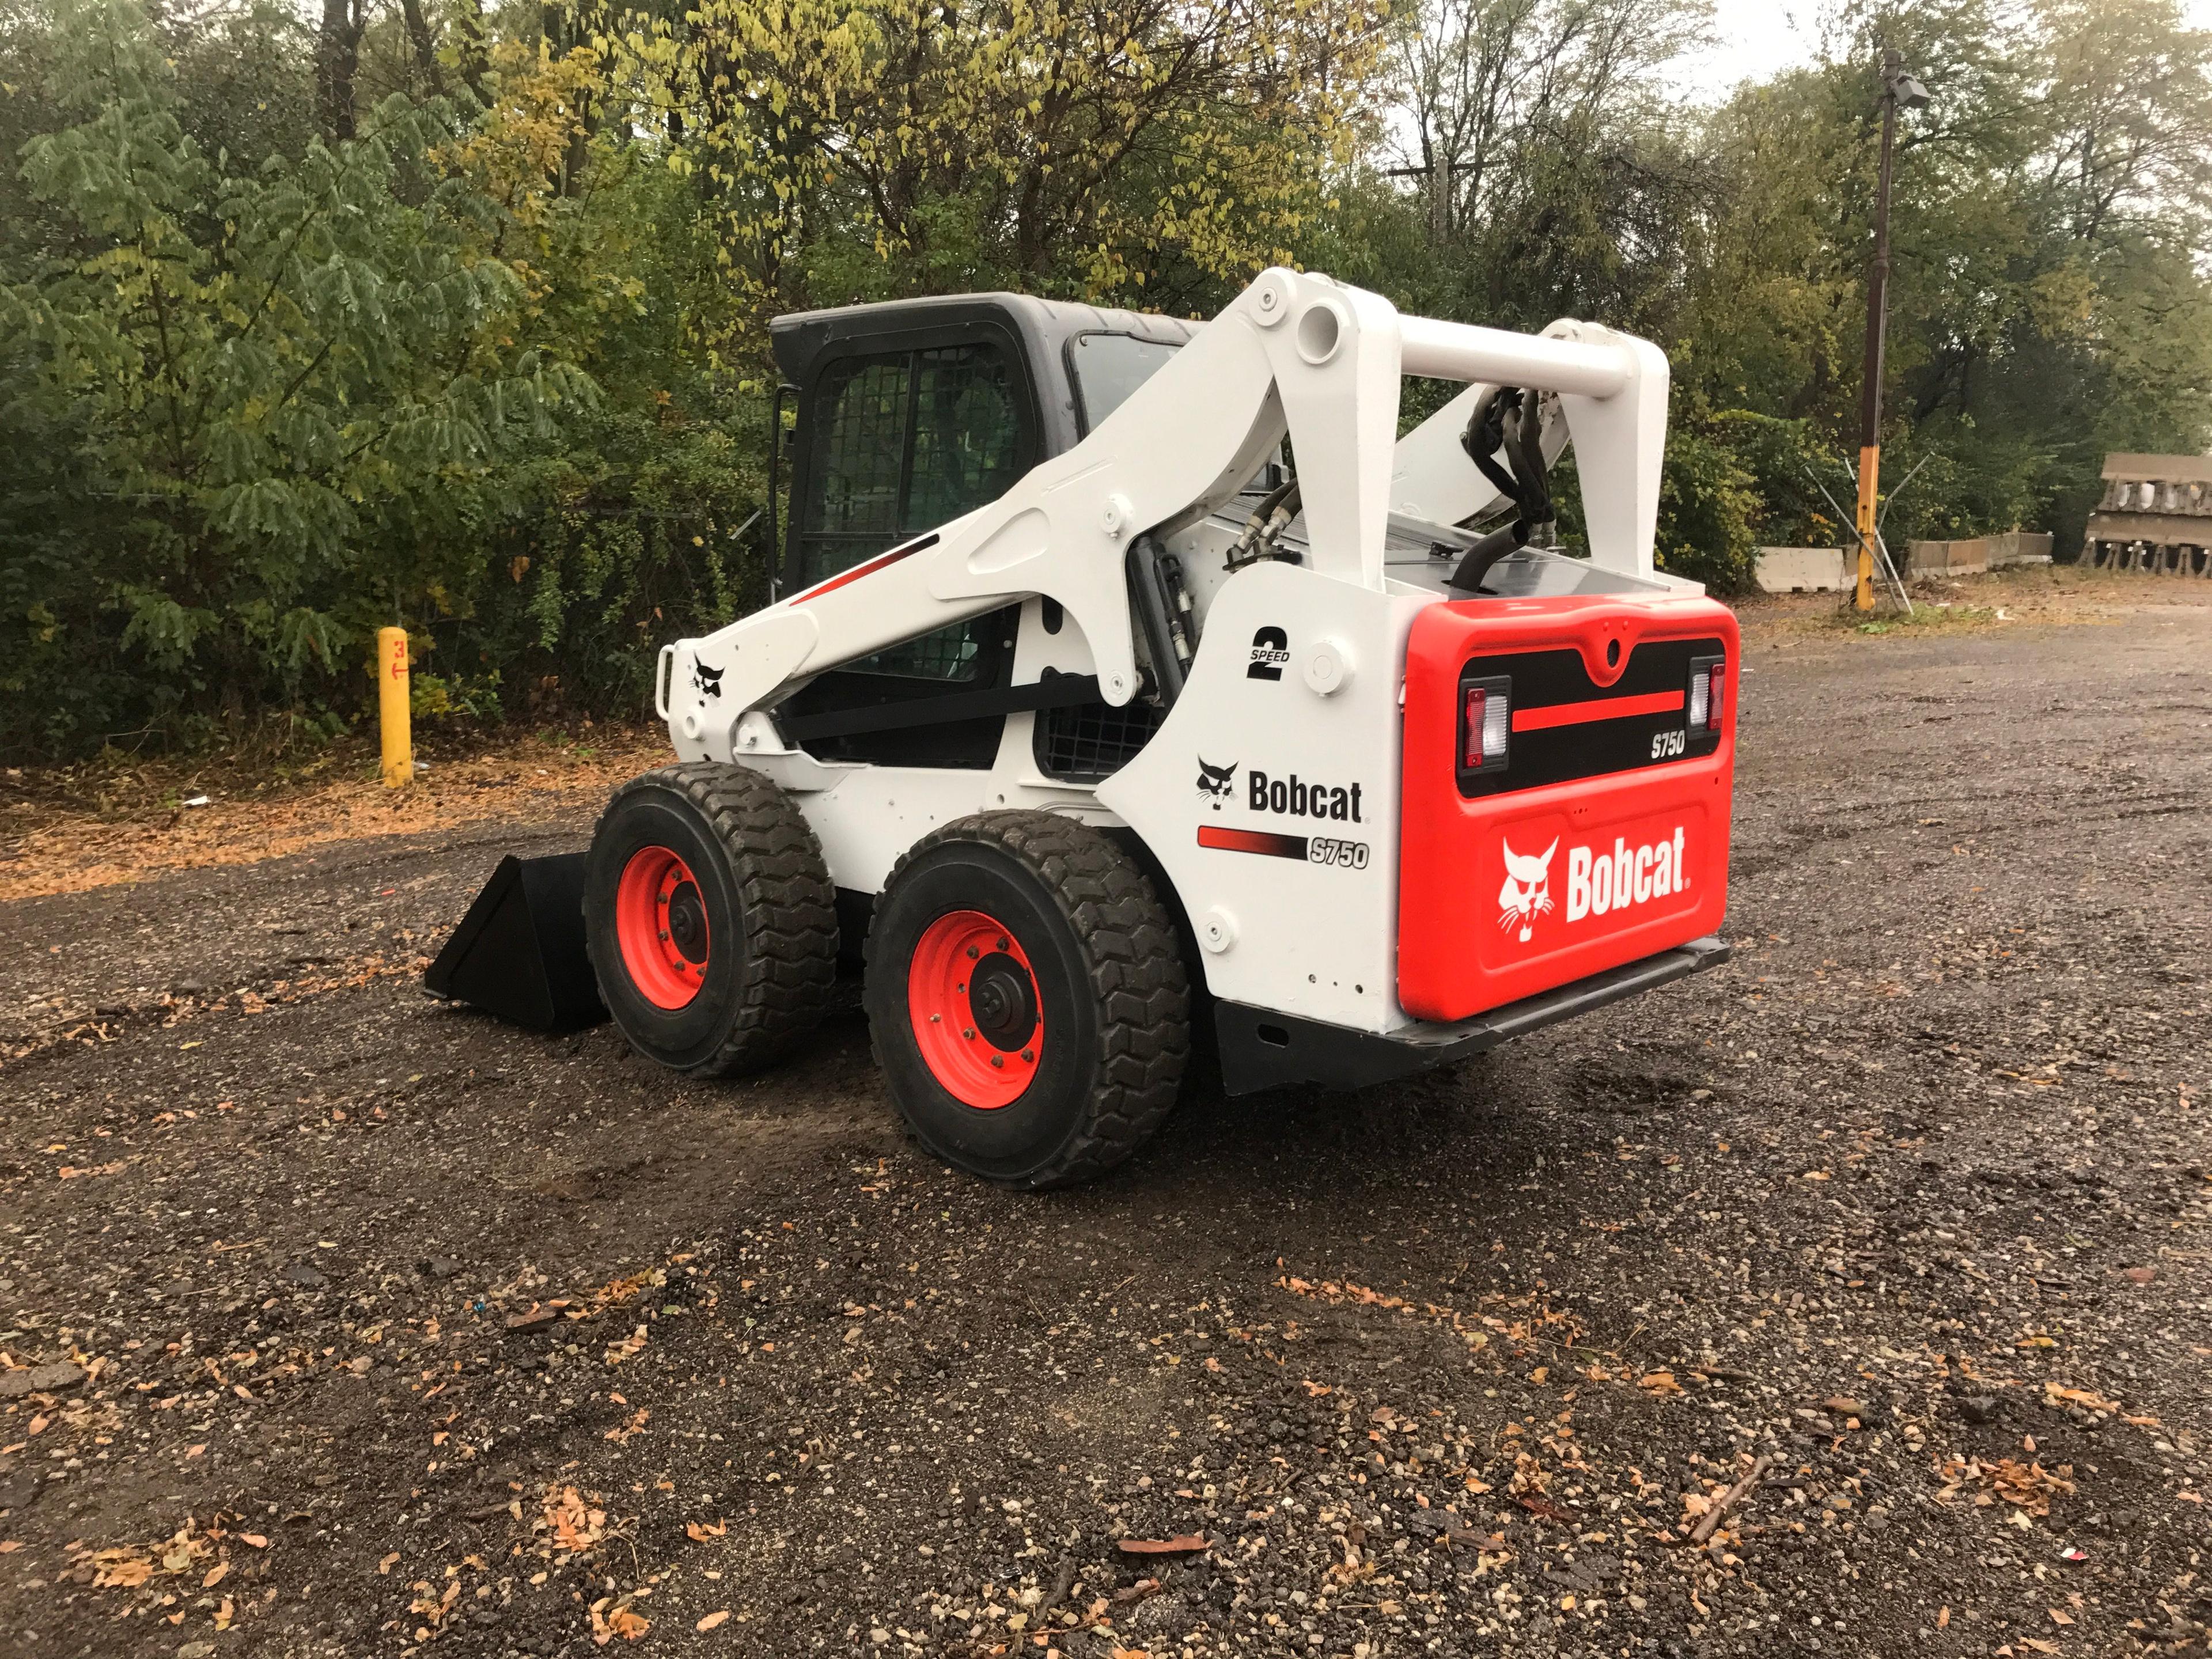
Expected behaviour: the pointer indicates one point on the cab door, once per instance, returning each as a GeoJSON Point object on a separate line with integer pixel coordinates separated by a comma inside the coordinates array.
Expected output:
{"type": "Point", "coordinates": [900, 433]}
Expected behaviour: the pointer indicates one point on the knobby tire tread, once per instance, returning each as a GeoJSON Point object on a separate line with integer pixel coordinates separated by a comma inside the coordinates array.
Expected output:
{"type": "Point", "coordinates": [1137, 978]}
{"type": "Point", "coordinates": [785, 902]}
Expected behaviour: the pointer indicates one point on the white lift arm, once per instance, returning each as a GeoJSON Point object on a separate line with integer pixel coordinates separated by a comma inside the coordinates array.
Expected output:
{"type": "Point", "coordinates": [1295, 352]}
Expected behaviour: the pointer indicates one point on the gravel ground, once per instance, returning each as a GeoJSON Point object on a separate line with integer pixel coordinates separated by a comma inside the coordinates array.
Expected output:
{"type": "Point", "coordinates": [1851, 1299]}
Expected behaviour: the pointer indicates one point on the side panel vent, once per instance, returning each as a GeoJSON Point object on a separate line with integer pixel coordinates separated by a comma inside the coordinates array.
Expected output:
{"type": "Point", "coordinates": [1091, 741]}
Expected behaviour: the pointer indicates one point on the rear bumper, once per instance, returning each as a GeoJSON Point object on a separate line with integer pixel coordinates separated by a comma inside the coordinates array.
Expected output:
{"type": "Point", "coordinates": [1263, 1049]}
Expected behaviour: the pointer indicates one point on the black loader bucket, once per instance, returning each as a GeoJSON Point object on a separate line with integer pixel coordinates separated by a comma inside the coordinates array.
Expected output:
{"type": "Point", "coordinates": [520, 951]}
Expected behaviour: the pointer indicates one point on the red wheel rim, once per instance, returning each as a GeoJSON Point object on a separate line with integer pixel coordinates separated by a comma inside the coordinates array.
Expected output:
{"type": "Point", "coordinates": [978, 1019]}
{"type": "Point", "coordinates": [660, 926]}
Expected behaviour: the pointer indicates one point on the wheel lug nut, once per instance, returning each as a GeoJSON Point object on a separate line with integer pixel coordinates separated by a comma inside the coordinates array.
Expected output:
{"type": "Point", "coordinates": [1028, 1054]}
{"type": "Point", "coordinates": [1002, 941]}
{"type": "Point", "coordinates": [998, 1059]}
{"type": "Point", "coordinates": [971, 953]}
{"type": "Point", "coordinates": [969, 1033]}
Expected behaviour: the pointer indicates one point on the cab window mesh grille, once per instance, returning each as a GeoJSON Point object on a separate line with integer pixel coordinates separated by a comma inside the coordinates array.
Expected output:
{"type": "Point", "coordinates": [909, 441]}
{"type": "Point", "coordinates": [1091, 742]}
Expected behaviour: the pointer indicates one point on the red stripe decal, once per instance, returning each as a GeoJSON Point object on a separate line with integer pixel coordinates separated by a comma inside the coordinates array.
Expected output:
{"type": "Point", "coordinates": [1252, 840]}
{"type": "Point", "coordinates": [1600, 708]}
{"type": "Point", "coordinates": [866, 568]}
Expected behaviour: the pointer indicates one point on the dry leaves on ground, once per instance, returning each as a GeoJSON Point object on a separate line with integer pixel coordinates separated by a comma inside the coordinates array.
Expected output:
{"type": "Point", "coordinates": [2027, 1486]}
{"type": "Point", "coordinates": [574, 1523]}
{"type": "Point", "coordinates": [64, 848]}
{"type": "Point", "coordinates": [610, 1620]}
{"type": "Point", "coordinates": [127, 1566]}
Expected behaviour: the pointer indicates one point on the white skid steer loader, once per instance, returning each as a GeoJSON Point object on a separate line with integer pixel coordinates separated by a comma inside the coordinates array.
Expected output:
{"type": "Point", "coordinates": [1087, 723]}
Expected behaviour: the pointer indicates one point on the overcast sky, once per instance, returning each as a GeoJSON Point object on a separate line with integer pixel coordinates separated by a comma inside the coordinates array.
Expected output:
{"type": "Point", "coordinates": [1757, 37]}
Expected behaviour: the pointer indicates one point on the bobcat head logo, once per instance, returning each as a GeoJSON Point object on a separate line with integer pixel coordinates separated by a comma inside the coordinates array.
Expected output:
{"type": "Point", "coordinates": [709, 680]}
{"type": "Point", "coordinates": [1527, 893]}
{"type": "Point", "coordinates": [1213, 782]}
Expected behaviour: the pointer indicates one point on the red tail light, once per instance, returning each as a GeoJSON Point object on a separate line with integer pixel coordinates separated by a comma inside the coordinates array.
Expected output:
{"type": "Point", "coordinates": [1486, 724]}
{"type": "Point", "coordinates": [1708, 692]}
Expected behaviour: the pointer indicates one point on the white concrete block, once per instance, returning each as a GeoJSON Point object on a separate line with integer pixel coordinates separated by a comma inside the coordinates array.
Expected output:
{"type": "Point", "coordinates": [1802, 570]}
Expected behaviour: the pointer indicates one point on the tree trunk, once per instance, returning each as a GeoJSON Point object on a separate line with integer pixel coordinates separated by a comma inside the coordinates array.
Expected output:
{"type": "Point", "coordinates": [469, 25]}
{"type": "Point", "coordinates": [425, 45]}
{"type": "Point", "coordinates": [337, 62]}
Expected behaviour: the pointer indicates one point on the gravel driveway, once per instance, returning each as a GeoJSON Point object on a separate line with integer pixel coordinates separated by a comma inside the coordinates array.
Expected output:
{"type": "Point", "coordinates": [1851, 1299]}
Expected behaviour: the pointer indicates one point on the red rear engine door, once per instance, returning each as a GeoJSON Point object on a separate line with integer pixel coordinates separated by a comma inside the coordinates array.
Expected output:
{"type": "Point", "coordinates": [1603, 837]}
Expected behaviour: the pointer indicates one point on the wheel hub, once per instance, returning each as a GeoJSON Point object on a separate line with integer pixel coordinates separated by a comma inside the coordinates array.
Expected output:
{"type": "Point", "coordinates": [687, 921]}
{"type": "Point", "coordinates": [1003, 998]}
{"type": "Point", "coordinates": [972, 996]}
{"type": "Point", "coordinates": [662, 928]}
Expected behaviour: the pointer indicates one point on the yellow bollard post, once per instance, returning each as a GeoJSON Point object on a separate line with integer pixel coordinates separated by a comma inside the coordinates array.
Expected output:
{"type": "Point", "coordinates": [392, 707]}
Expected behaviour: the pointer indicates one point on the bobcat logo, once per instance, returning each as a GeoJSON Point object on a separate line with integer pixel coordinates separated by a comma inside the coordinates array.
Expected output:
{"type": "Point", "coordinates": [1213, 782]}
{"type": "Point", "coordinates": [1527, 893]}
{"type": "Point", "coordinates": [709, 680]}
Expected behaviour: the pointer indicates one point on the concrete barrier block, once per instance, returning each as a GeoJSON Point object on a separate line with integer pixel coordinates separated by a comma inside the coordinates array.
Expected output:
{"type": "Point", "coordinates": [1967, 556]}
{"type": "Point", "coordinates": [1802, 570]}
{"type": "Point", "coordinates": [2019, 547]}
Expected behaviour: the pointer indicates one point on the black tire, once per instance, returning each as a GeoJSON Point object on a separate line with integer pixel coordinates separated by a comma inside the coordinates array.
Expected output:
{"type": "Point", "coordinates": [771, 951]}
{"type": "Point", "coordinates": [1108, 983]}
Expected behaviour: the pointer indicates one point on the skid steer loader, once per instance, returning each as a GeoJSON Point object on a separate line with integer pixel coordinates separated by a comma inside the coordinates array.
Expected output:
{"type": "Point", "coordinates": [1092, 726]}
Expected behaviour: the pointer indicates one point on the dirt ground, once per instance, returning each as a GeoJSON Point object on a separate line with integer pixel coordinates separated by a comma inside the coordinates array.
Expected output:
{"type": "Point", "coordinates": [1851, 1299]}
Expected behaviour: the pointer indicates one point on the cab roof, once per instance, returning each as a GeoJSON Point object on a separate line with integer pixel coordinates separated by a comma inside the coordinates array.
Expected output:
{"type": "Point", "coordinates": [1041, 328]}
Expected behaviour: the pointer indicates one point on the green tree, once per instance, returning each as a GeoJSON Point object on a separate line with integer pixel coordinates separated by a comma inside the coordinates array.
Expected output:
{"type": "Point", "coordinates": [284, 391]}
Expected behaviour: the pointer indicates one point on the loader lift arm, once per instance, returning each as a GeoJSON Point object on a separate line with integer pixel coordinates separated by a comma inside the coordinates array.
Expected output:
{"type": "Point", "coordinates": [1296, 355]}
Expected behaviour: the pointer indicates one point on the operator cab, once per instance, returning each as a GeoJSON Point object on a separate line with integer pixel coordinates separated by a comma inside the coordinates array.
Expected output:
{"type": "Point", "coordinates": [910, 414]}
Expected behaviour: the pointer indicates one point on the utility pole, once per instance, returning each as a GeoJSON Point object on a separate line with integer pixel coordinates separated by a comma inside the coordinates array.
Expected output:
{"type": "Point", "coordinates": [1899, 91]}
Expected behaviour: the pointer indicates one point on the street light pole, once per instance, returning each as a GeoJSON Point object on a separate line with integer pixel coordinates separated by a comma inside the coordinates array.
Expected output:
{"type": "Point", "coordinates": [1898, 90]}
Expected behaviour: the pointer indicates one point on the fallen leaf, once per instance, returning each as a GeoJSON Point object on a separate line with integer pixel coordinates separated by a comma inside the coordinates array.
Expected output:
{"type": "Point", "coordinates": [700, 1531]}
{"type": "Point", "coordinates": [575, 1524]}
{"type": "Point", "coordinates": [122, 1571]}
{"type": "Point", "coordinates": [634, 1427]}
{"type": "Point", "coordinates": [2058, 1617]}
{"type": "Point", "coordinates": [1943, 1620]}
{"type": "Point", "coordinates": [9, 1545]}
{"type": "Point", "coordinates": [620, 1622]}
{"type": "Point", "coordinates": [1659, 1383]}
{"type": "Point", "coordinates": [215, 1575]}
{"type": "Point", "coordinates": [385, 1565]}
{"type": "Point", "coordinates": [721, 1615]}
{"type": "Point", "coordinates": [1190, 1543]}
{"type": "Point", "coordinates": [2056, 1393]}
{"type": "Point", "coordinates": [254, 1539]}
